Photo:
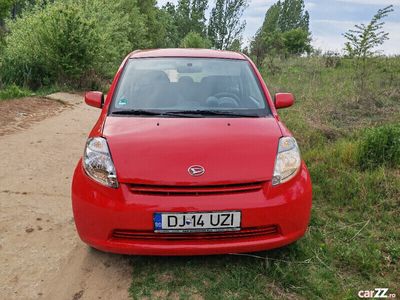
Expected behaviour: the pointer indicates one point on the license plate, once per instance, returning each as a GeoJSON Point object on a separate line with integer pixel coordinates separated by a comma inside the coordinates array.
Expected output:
{"type": "Point", "coordinates": [197, 222]}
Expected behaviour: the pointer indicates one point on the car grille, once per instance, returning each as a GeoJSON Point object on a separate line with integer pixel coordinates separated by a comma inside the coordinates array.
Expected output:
{"type": "Point", "coordinates": [150, 235]}
{"type": "Point", "coordinates": [180, 190]}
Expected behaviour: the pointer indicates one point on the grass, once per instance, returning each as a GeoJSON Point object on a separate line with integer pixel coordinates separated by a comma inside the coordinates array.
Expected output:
{"type": "Point", "coordinates": [353, 238]}
{"type": "Point", "coordinates": [13, 92]}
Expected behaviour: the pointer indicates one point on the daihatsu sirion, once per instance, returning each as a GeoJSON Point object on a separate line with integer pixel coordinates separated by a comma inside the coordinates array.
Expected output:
{"type": "Point", "coordinates": [189, 157]}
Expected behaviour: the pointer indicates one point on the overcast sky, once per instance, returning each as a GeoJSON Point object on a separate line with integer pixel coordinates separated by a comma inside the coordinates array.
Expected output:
{"type": "Point", "coordinates": [329, 19]}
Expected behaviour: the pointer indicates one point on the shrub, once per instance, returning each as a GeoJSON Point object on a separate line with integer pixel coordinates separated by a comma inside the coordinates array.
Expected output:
{"type": "Point", "coordinates": [69, 42]}
{"type": "Point", "coordinates": [13, 91]}
{"type": "Point", "coordinates": [194, 40]}
{"type": "Point", "coordinates": [332, 59]}
{"type": "Point", "coordinates": [297, 41]}
{"type": "Point", "coordinates": [380, 146]}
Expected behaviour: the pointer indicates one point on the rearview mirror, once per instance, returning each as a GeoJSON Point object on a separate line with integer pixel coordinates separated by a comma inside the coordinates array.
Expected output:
{"type": "Point", "coordinates": [283, 100]}
{"type": "Point", "coordinates": [95, 99]}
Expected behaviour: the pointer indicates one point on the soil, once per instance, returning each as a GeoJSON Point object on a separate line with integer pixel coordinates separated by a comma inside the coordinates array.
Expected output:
{"type": "Point", "coordinates": [17, 114]}
{"type": "Point", "coordinates": [41, 255]}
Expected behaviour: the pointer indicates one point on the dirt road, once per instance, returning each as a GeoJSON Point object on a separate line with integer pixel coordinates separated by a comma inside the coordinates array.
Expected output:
{"type": "Point", "coordinates": [41, 256]}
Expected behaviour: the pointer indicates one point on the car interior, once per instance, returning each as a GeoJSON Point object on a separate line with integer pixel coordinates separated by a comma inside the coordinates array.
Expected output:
{"type": "Point", "coordinates": [154, 89]}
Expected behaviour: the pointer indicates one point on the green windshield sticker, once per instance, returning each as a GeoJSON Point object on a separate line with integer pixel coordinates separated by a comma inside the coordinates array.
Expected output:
{"type": "Point", "coordinates": [122, 102]}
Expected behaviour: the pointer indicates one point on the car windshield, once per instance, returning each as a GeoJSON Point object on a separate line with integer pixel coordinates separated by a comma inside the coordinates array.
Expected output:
{"type": "Point", "coordinates": [189, 86]}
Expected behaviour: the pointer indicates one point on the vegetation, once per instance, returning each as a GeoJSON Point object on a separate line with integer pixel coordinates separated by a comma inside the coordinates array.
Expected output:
{"type": "Point", "coordinates": [5, 7]}
{"type": "Point", "coordinates": [363, 40]}
{"type": "Point", "coordinates": [13, 91]}
{"type": "Point", "coordinates": [285, 31]}
{"type": "Point", "coordinates": [66, 45]}
{"type": "Point", "coordinates": [81, 43]}
{"type": "Point", "coordinates": [194, 40]}
{"type": "Point", "coordinates": [225, 23]}
{"type": "Point", "coordinates": [191, 17]}
{"type": "Point", "coordinates": [380, 146]}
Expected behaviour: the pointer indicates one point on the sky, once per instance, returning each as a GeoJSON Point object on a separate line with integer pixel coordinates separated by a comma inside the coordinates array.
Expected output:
{"type": "Point", "coordinates": [329, 19]}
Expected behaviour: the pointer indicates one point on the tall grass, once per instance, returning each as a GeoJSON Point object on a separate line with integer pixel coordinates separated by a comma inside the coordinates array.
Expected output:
{"type": "Point", "coordinates": [329, 103]}
{"type": "Point", "coordinates": [13, 91]}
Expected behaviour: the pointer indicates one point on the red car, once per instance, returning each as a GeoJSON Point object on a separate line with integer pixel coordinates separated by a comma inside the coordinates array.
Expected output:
{"type": "Point", "coordinates": [189, 157]}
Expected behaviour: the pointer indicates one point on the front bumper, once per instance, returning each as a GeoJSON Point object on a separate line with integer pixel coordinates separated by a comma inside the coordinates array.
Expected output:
{"type": "Point", "coordinates": [99, 210]}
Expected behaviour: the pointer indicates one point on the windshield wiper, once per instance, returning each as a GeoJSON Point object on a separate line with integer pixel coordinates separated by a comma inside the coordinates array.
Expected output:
{"type": "Point", "coordinates": [228, 113]}
{"type": "Point", "coordinates": [184, 113]}
{"type": "Point", "coordinates": [142, 112]}
{"type": "Point", "coordinates": [137, 112]}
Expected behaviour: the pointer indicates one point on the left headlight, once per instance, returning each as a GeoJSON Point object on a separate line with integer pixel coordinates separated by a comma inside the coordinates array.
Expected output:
{"type": "Point", "coordinates": [287, 161]}
{"type": "Point", "coordinates": [98, 163]}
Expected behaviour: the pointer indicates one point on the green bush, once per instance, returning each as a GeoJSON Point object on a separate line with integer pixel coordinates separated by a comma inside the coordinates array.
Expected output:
{"type": "Point", "coordinates": [195, 40]}
{"type": "Point", "coordinates": [380, 146]}
{"type": "Point", "coordinates": [69, 42]}
{"type": "Point", "coordinates": [13, 91]}
{"type": "Point", "coordinates": [332, 59]}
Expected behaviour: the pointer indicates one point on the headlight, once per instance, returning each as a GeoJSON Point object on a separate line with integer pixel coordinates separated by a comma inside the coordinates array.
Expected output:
{"type": "Point", "coordinates": [287, 161]}
{"type": "Point", "coordinates": [98, 163]}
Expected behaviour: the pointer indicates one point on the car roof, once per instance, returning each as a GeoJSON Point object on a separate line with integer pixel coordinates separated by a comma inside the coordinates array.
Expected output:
{"type": "Point", "coordinates": [180, 52]}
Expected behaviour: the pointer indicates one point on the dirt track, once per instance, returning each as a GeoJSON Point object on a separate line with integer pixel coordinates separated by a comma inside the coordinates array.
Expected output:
{"type": "Point", "coordinates": [41, 256]}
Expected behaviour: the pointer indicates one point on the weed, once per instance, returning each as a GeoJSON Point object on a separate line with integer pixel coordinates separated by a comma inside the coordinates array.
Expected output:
{"type": "Point", "coordinates": [13, 91]}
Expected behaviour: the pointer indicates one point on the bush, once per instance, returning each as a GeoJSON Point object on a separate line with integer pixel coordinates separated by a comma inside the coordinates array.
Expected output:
{"type": "Point", "coordinates": [69, 42]}
{"type": "Point", "coordinates": [332, 59]}
{"type": "Point", "coordinates": [380, 146]}
{"type": "Point", "coordinates": [195, 40]}
{"type": "Point", "coordinates": [13, 91]}
{"type": "Point", "coordinates": [297, 41]}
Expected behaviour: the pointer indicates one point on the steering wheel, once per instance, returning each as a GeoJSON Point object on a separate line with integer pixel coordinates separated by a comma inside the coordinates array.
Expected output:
{"type": "Point", "coordinates": [235, 99]}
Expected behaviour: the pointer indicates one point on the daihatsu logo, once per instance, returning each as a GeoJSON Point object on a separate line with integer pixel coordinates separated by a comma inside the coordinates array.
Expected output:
{"type": "Point", "coordinates": [196, 170]}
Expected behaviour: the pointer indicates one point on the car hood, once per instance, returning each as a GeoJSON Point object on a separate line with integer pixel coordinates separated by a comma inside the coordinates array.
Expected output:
{"type": "Point", "coordinates": [160, 150]}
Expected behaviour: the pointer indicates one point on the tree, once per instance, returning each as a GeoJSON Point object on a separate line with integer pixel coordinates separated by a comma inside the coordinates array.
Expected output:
{"type": "Point", "coordinates": [261, 42]}
{"type": "Point", "coordinates": [225, 22]}
{"type": "Point", "coordinates": [137, 33]}
{"type": "Point", "coordinates": [5, 8]}
{"type": "Point", "coordinates": [147, 6]}
{"type": "Point", "coordinates": [285, 31]}
{"type": "Point", "coordinates": [271, 18]}
{"type": "Point", "coordinates": [190, 17]}
{"type": "Point", "coordinates": [293, 16]}
{"type": "Point", "coordinates": [257, 47]}
{"type": "Point", "coordinates": [274, 44]}
{"type": "Point", "coordinates": [364, 38]}
{"type": "Point", "coordinates": [194, 40]}
{"type": "Point", "coordinates": [297, 41]}
{"type": "Point", "coordinates": [168, 15]}
{"type": "Point", "coordinates": [155, 27]}
{"type": "Point", "coordinates": [236, 45]}
{"type": "Point", "coordinates": [198, 16]}
{"type": "Point", "coordinates": [362, 41]}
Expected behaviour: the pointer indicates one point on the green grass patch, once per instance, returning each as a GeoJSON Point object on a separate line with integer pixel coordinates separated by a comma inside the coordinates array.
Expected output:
{"type": "Point", "coordinates": [13, 91]}
{"type": "Point", "coordinates": [380, 146]}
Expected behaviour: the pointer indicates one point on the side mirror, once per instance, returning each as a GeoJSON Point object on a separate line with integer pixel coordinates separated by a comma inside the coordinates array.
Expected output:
{"type": "Point", "coordinates": [283, 100]}
{"type": "Point", "coordinates": [95, 99]}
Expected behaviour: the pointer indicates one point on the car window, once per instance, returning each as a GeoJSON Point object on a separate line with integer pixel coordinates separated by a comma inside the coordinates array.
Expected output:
{"type": "Point", "coordinates": [182, 84]}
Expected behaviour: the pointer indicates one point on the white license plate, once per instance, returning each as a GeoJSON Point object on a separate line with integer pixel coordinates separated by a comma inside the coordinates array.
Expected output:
{"type": "Point", "coordinates": [197, 222]}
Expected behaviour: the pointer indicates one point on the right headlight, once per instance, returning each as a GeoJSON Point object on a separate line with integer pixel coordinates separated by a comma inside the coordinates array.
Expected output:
{"type": "Point", "coordinates": [287, 161]}
{"type": "Point", "coordinates": [98, 164]}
